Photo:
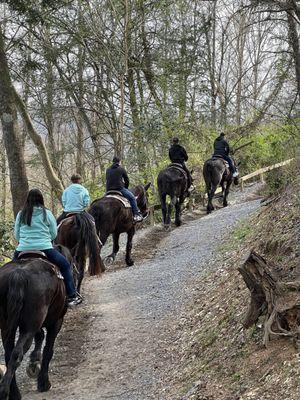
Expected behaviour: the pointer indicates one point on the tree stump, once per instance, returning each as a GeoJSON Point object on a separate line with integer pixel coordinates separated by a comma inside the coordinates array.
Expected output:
{"type": "Point", "coordinates": [271, 296]}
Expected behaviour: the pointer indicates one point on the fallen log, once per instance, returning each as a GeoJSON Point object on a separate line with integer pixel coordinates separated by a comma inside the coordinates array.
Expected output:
{"type": "Point", "coordinates": [278, 301]}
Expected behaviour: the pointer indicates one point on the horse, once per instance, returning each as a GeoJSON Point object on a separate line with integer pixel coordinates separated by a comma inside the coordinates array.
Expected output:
{"type": "Point", "coordinates": [216, 172]}
{"type": "Point", "coordinates": [112, 217]}
{"type": "Point", "coordinates": [172, 181]}
{"type": "Point", "coordinates": [78, 234]}
{"type": "Point", "coordinates": [32, 297]}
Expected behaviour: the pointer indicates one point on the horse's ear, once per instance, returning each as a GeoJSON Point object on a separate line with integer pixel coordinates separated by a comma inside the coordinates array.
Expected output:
{"type": "Point", "coordinates": [192, 171]}
{"type": "Point", "coordinates": [146, 187]}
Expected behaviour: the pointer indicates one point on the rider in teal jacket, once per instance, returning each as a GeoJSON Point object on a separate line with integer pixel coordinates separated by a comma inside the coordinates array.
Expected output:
{"type": "Point", "coordinates": [35, 229]}
{"type": "Point", "coordinates": [75, 198]}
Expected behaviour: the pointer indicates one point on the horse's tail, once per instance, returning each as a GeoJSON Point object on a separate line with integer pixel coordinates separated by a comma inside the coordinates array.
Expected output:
{"type": "Point", "coordinates": [88, 238]}
{"type": "Point", "coordinates": [17, 285]}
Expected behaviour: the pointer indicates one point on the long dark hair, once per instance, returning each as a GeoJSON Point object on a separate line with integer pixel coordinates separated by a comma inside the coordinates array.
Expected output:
{"type": "Point", "coordinates": [34, 199]}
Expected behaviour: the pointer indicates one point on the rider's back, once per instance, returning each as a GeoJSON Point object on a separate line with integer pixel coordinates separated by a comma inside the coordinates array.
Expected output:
{"type": "Point", "coordinates": [116, 178]}
{"type": "Point", "coordinates": [75, 198]}
{"type": "Point", "coordinates": [39, 234]}
{"type": "Point", "coordinates": [221, 146]}
{"type": "Point", "coordinates": [177, 153]}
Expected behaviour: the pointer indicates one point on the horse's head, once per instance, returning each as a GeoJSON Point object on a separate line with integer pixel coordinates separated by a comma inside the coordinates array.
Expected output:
{"type": "Point", "coordinates": [140, 193]}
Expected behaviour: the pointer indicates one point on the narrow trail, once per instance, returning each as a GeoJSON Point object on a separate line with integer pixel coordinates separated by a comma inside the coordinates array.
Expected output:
{"type": "Point", "coordinates": [116, 345]}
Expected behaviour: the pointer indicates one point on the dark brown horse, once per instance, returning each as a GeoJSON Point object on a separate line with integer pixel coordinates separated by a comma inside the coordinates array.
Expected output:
{"type": "Point", "coordinates": [216, 173]}
{"type": "Point", "coordinates": [112, 217]}
{"type": "Point", "coordinates": [172, 182]}
{"type": "Point", "coordinates": [78, 234]}
{"type": "Point", "coordinates": [32, 297]}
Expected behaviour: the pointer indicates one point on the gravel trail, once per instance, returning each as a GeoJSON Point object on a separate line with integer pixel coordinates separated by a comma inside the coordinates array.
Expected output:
{"type": "Point", "coordinates": [115, 346]}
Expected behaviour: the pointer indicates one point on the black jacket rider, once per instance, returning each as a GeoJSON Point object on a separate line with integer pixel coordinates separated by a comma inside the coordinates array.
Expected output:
{"type": "Point", "coordinates": [221, 147]}
{"type": "Point", "coordinates": [177, 154]}
{"type": "Point", "coordinates": [116, 178]}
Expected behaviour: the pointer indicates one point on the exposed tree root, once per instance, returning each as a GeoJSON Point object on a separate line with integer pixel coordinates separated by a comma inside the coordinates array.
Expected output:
{"type": "Point", "coordinates": [277, 300]}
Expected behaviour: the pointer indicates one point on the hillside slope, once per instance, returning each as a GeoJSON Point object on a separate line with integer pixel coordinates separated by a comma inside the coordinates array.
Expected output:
{"type": "Point", "coordinates": [222, 361]}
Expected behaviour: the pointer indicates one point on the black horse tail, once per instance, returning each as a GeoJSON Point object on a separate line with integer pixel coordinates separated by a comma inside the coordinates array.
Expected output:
{"type": "Point", "coordinates": [88, 238]}
{"type": "Point", "coordinates": [17, 286]}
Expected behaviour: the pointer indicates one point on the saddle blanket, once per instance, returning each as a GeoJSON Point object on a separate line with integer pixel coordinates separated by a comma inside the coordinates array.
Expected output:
{"type": "Point", "coordinates": [179, 168]}
{"type": "Point", "coordinates": [221, 158]}
{"type": "Point", "coordinates": [37, 254]}
{"type": "Point", "coordinates": [121, 198]}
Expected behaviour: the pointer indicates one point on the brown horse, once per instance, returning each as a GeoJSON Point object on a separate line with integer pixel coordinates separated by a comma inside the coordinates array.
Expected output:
{"type": "Point", "coordinates": [112, 217]}
{"type": "Point", "coordinates": [32, 297]}
{"type": "Point", "coordinates": [78, 234]}
{"type": "Point", "coordinates": [216, 172]}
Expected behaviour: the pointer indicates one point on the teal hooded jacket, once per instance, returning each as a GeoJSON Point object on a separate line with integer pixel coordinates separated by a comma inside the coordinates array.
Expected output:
{"type": "Point", "coordinates": [41, 232]}
{"type": "Point", "coordinates": [75, 198]}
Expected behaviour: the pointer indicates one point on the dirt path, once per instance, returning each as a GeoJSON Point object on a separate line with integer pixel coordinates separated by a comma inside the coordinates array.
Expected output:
{"type": "Point", "coordinates": [115, 346]}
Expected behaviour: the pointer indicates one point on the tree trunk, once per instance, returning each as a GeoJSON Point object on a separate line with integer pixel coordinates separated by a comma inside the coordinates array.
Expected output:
{"type": "Point", "coordinates": [53, 179]}
{"type": "Point", "coordinates": [294, 42]}
{"type": "Point", "coordinates": [272, 298]}
{"type": "Point", "coordinates": [11, 134]}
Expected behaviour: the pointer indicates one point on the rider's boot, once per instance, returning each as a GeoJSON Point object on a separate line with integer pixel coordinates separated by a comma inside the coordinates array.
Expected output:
{"type": "Point", "coordinates": [74, 300]}
{"type": "Point", "coordinates": [138, 217]}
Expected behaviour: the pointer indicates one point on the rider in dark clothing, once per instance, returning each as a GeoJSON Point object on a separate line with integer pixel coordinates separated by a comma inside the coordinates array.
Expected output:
{"type": "Point", "coordinates": [178, 154]}
{"type": "Point", "coordinates": [117, 179]}
{"type": "Point", "coordinates": [222, 149]}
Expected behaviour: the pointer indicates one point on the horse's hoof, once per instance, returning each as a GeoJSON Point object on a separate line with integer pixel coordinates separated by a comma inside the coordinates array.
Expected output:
{"type": "Point", "coordinates": [44, 386]}
{"type": "Point", "coordinates": [167, 227]}
{"type": "Point", "coordinates": [109, 260]}
{"type": "Point", "coordinates": [178, 223]}
{"type": "Point", "coordinates": [225, 204]}
{"type": "Point", "coordinates": [129, 263]}
{"type": "Point", "coordinates": [33, 369]}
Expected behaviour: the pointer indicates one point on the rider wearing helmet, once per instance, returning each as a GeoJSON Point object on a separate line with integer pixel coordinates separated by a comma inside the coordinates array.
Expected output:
{"type": "Point", "coordinates": [222, 149]}
{"type": "Point", "coordinates": [35, 229]}
{"type": "Point", "coordinates": [117, 180]}
{"type": "Point", "coordinates": [178, 155]}
{"type": "Point", "coordinates": [75, 198]}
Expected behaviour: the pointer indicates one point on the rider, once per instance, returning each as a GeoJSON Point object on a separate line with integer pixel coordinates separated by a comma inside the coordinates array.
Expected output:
{"type": "Point", "coordinates": [222, 149]}
{"type": "Point", "coordinates": [117, 180]}
{"type": "Point", "coordinates": [75, 198]}
{"type": "Point", "coordinates": [178, 155]}
{"type": "Point", "coordinates": [35, 229]}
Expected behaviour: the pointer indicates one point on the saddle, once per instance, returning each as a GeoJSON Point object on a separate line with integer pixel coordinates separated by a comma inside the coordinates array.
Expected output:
{"type": "Point", "coordinates": [37, 254]}
{"type": "Point", "coordinates": [178, 167]}
{"type": "Point", "coordinates": [115, 194]}
{"type": "Point", "coordinates": [221, 158]}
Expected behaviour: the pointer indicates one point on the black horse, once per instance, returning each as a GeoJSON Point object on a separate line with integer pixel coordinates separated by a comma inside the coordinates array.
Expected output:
{"type": "Point", "coordinates": [112, 217]}
{"type": "Point", "coordinates": [32, 297]}
{"type": "Point", "coordinates": [216, 172]}
{"type": "Point", "coordinates": [172, 181]}
{"type": "Point", "coordinates": [78, 234]}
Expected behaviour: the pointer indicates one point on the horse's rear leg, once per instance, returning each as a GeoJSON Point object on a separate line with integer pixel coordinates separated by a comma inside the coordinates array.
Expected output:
{"type": "Point", "coordinates": [130, 234]}
{"type": "Point", "coordinates": [34, 365]}
{"type": "Point", "coordinates": [178, 221]}
{"type": "Point", "coordinates": [8, 385]}
{"type": "Point", "coordinates": [80, 261]}
{"type": "Point", "coordinates": [116, 246]}
{"type": "Point", "coordinates": [226, 192]}
{"type": "Point", "coordinates": [43, 378]}
{"type": "Point", "coordinates": [210, 195]}
{"type": "Point", "coordinates": [8, 344]}
{"type": "Point", "coordinates": [163, 198]}
{"type": "Point", "coordinates": [169, 212]}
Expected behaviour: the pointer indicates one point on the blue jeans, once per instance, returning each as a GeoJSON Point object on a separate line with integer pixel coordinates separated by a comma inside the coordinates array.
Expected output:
{"type": "Point", "coordinates": [130, 196]}
{"type": "Point", "coordinates": [64, 266]}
